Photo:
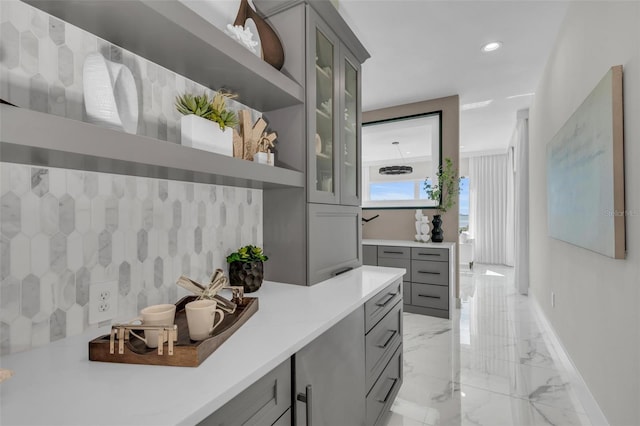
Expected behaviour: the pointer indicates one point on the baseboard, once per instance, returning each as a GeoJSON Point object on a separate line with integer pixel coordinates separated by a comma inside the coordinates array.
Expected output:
{"type": "Point", "coordinates": [589, 403]}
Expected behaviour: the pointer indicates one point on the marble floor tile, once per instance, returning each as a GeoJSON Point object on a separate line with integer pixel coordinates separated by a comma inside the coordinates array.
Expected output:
{"type": "Point", "coordinates": [488, 365]}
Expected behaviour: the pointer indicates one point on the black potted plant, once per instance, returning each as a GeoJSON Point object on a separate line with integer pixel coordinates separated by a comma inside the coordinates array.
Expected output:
{"type": "Point", "coordinates": [445, 192]}
{"type": "Point", "coordinates": [246, 268]}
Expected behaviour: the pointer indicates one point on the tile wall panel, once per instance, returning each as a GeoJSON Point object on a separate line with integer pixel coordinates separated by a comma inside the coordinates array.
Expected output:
{"type": "Point", "coordinates": [62, 231]}
{"type": "Point", "coordinates": [41, 60]}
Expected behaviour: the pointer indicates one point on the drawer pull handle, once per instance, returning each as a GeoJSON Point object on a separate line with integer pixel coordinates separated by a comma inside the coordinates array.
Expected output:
{"type": "Point", "coordinates": [387, 392]}
{"type": "Point", "coordinates": [428, 254]}
{"type": "Point", "coordinates": [390, 297]}
{"type": "Point", "coordinates": [342, 271]}
{"type": "Point", "coordinates": [389, 339]}
{"type": "Point", "coordinates": [393, 252]}
{"type": "Point", "coordinates": [429, 272]}
{"type": "Point", "coordinates": [306, 398]}
{"type": "Point", "coordinates": [429, 297]}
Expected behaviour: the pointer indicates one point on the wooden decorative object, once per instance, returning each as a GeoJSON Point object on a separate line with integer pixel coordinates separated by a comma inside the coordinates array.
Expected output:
{"type": "Point", "coordinates": [186, 353]}
{"type": "Point", "coordinates": [5, 374]}
{"type": "Point", "coordinates": [252, 137]}
{"type": "Point", "coordinates": [272, 51]}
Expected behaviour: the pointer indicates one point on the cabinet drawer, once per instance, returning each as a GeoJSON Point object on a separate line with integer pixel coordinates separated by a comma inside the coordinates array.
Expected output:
{"type": "Point", "coordinates": [377, 307]}
{"type": "Point", "coordinates": [384, 391]}
{"type": "Point", "coordinates": [430, 296]}
{"type": "Point", "coordinates": [396, 263]}
{"type": "Point", "coordinates": [394, 252]}
{"type": "Point", "coordinates": [428, 272]}
{"type": "Point", "coordinates": [370, 255]}
{"type": "Point", "coordinates": [406, 292]}
{"type": "Point", "coordinates": [285, 419]}
{"type": "Point", "coordinates": [263, 403]}
{"type": "Point", "coordinates": [381, 342]}
{"type": "Point", "coordinates": [423, 253]}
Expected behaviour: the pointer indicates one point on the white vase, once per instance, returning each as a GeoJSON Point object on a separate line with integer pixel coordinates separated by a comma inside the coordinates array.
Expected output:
{"type": "Point", "coordinates": [418, 214]}
{"type": "Point", "coordinates": [200, 133]}
{"type": "Point", "coordinates": [110, 94]}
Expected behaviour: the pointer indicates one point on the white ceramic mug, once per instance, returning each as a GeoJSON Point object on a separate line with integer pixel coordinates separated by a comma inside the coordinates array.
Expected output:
{"type": "Point", "coordinates": [201, 315]}
{"type": "Point", "coordinates": [155, 315]}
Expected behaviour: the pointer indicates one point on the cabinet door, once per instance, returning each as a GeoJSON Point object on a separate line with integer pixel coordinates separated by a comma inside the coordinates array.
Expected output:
{"type": "Point", "coordinates": [330, 376]}
{"type": "Point", "coordinates": [350, 138]}
{"type": "Point", "coordinates": [322, 109]}
{"type": "Point", "coordinates": [334, 240]}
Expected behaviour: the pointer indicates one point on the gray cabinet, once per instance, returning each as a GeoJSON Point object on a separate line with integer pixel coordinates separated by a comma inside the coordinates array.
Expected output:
{"type": "Point", "coordinates": [370, 255]}
{"type": "Point", "coordinates": [330, 376]}
{"type": "Point", "coordinates": [383, 351]}
{"type": "Point", "coordinates": [334, 240]}
{"type": "Point", "coordinates": [428, 281]}
{"type": "Point", "coordinates": [333, 116]}
{"type": "Point", "coordinates": [266, 402]}
{"type": "Point", "coordinates": [314, 233]}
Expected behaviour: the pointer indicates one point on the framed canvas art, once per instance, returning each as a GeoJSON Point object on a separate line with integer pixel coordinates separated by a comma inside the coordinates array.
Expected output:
{"type": "Point", "coordinates": [585, 173]}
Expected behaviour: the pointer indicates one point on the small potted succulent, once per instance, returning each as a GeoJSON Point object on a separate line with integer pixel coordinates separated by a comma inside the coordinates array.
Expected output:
{"type": "Point", "coordinates": [207, 123]}
{"type": "Point", "coordinates": [246, 268]}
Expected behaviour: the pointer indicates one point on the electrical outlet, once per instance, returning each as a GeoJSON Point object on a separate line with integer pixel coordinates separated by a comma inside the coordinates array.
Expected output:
{"type": "Point", "coordinates": [103, 301]}
{"type": "Point", "coordinates": [553, 299]}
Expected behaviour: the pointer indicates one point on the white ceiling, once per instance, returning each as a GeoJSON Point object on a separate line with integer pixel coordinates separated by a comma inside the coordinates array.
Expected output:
{"type": "Point", "coordinates": [422, 50]}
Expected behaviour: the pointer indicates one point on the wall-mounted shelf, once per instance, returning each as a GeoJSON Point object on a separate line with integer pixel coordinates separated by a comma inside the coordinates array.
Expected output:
{"type": "Point", "coordinates": [173, 36]}
{"type": "Point", "coordinates": [30, 137]}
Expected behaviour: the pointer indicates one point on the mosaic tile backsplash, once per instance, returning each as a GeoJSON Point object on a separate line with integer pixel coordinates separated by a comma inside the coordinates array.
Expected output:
{"type": "Point", "coordinates": [41, 60]}
{"type": "Point", "coordinates": [64, 230]}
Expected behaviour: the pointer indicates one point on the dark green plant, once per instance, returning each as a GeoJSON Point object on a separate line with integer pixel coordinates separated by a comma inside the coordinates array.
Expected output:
{"type": "Point", "coordinates": [448, 187]}
{"type": "Point", "coordinates": [247, 254]}
{"type": "Point", "coordinates": [212, 109]}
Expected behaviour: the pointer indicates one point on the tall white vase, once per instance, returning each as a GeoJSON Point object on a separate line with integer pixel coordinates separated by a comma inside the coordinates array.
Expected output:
{"type": "Point", "coordinates": [110, 94]}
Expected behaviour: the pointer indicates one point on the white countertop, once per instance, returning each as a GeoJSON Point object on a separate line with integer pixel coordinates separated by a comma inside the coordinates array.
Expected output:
{"type": "Point", "coordinates": [58, 385]}
{"type": "Point", "coordinates": [407, 243]}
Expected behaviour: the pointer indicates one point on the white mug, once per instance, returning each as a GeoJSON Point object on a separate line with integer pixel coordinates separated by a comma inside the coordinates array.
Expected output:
{"type": "Point", "coordinates": [201, 316]}
{"type": "Point", "coordinates": [155, 315]}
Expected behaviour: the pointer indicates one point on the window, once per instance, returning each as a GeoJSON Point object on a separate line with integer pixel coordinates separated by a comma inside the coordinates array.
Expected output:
{"type": "Point", "coordinates": [409, 142]}
{"type": "Point", "coordinates": [464, 204]}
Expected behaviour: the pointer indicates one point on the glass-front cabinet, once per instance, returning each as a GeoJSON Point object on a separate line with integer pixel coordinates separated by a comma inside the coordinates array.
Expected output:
{"type": "Point", "coordinates": [333, 98]}
{"type": "Point", "coordinates": [350, 153]}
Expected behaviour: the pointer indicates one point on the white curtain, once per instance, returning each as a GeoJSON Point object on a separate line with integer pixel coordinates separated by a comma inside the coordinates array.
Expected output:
{"type": "Point", "coordinates": [520, 144]}
{"type": "Point", "coordinates": [491, 187]}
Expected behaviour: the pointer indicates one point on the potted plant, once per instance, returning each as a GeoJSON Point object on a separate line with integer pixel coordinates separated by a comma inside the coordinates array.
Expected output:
{"type": "Point", "coordinates": [445, 192]}
{"type": "Point", "coordinates": [246, 268]}
{"type": "Point", "coordinates": [207, 123]}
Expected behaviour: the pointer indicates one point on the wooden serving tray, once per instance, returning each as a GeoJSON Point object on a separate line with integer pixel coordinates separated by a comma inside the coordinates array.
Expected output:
{"type": "Point", "coordinates": [186, 352]}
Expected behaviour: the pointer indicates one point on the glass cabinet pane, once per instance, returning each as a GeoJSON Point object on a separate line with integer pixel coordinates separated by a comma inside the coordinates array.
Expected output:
{"type": "Point", "coordinates": [350, 154]}
{"type": "Point", "coordinates": [325, 177]}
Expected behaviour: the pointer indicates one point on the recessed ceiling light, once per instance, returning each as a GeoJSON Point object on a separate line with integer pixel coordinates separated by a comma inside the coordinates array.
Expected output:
{"type": "Point", "coordinates": [490, 47]}
{"type": "Point", "coordinates": [475, 105]}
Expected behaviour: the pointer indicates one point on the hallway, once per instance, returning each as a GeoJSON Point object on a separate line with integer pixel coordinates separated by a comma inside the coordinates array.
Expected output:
{"type": "Point", "coordinates": [491, 365]}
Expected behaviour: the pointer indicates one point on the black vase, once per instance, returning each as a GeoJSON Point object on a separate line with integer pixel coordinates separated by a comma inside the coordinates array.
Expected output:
{"type": "Point", "coordinates": [246, 274]}
{"type": "Point", "coordinates": [437, 234]}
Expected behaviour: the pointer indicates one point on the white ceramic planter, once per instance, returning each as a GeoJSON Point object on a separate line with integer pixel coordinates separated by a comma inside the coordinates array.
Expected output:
{"type": "Point", "coordinates": [200, 133]}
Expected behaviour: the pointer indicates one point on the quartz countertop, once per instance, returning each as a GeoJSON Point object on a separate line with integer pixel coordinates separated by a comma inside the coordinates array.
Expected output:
{"type": "Point", "coordinates": [57, 385]}
{"type": "Point", "coordinates": [407, 243]}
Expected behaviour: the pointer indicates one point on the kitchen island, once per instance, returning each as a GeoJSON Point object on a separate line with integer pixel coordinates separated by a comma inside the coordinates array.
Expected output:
{"type": "Point", "coordinates": [57, 384]}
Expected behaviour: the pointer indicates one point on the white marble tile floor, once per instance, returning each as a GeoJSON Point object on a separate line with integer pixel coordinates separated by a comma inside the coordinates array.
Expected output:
{"type": "Point", "coordinates": [490, 365]}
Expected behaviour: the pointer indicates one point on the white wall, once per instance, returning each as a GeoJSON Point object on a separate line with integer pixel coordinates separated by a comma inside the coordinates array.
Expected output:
{"type": "Point", "coordinates": [597, 298]}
